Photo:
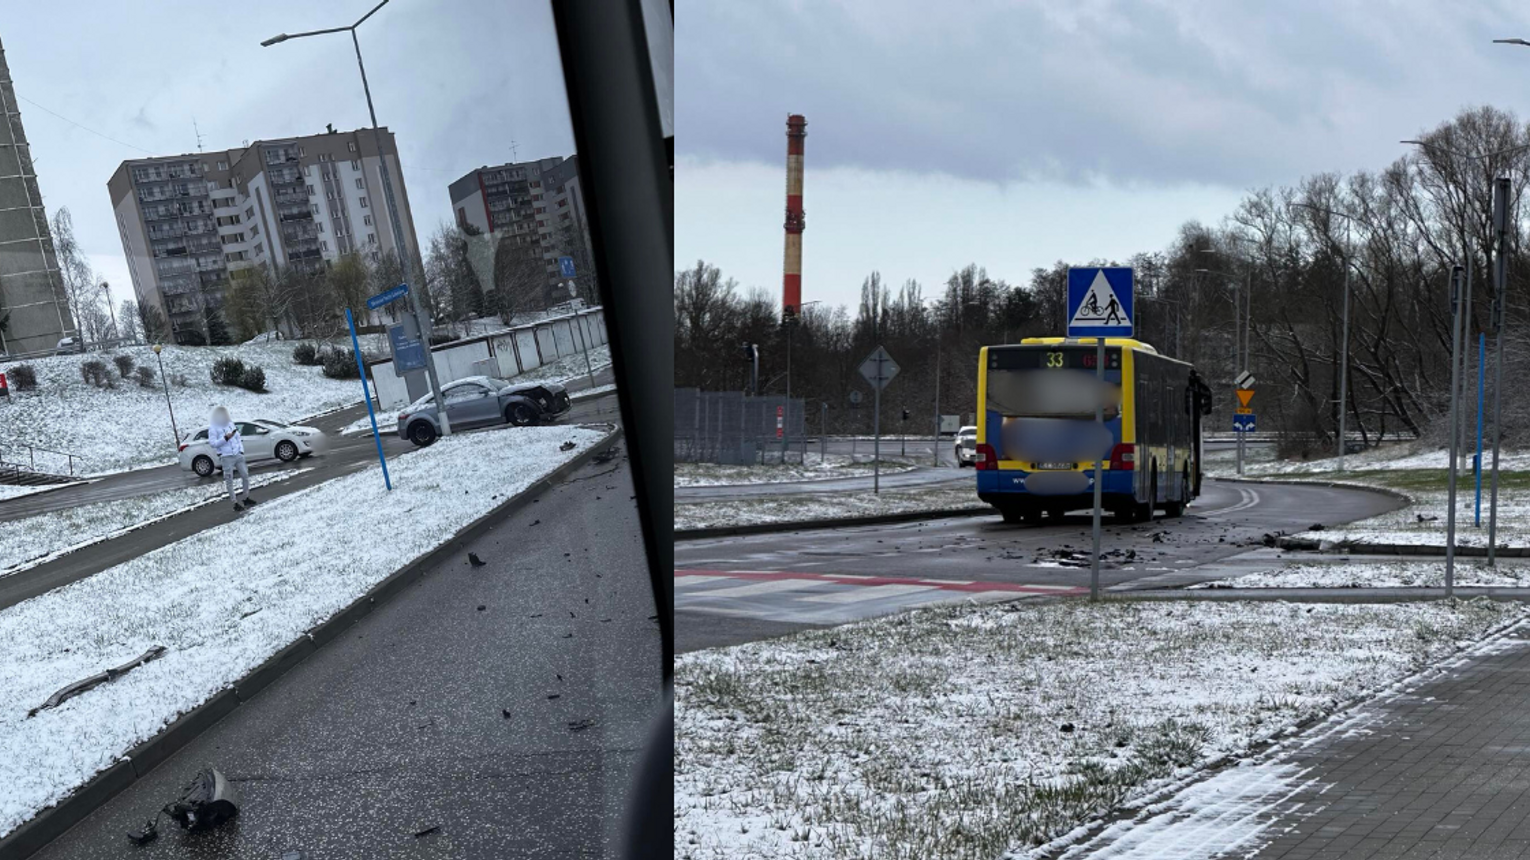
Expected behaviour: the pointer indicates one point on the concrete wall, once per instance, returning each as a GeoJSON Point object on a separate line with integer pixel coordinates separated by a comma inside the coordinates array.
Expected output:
{"type": "Point", "coordinates": [506, 354]}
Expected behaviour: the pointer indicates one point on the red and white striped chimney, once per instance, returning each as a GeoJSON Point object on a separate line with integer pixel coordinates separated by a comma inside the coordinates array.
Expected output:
{"type": "Point", "coordinates": [791, 293]}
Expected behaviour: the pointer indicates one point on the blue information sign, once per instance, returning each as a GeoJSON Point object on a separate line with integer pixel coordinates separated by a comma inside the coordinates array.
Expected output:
{"type": "Point", "coordinates": [1243, 423]}
{"type": "Point", "coordinates": [1100, 302]}
{"type": "Point", "coordinates": [566, 266]}
{"type": "Point", "coordinates": [408, 352]}
{"type": "Point", "coordinates": [387, 296]}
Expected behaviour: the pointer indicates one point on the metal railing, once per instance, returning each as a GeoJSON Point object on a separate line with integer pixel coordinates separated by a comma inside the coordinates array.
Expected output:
{"type": "Point", "coordinates": [31, 451]}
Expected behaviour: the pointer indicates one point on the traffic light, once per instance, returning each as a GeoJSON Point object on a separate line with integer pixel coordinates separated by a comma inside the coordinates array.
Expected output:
{"type": "Point", "coordinates": [788, 314]}
{"type": "Point", "coordinates": [748, 352]}
{"type": "Point", "coordinates": [905, 415]}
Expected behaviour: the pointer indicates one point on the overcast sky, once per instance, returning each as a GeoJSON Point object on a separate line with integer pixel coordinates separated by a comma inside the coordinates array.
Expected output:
{"type": "Point", "coordinates": [455, 81]}
{"type": "Point", "coordinates": [1014, 134]}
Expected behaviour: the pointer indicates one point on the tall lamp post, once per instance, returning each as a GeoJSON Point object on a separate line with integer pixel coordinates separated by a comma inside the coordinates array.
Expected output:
{"type": "Point", "coordinates": [116, 335]}
{"type": "Point", "coordinates": [790, 323]}
{"type": "Point", "coordinates": [166, 381]}
{"type": "Point", "coordinates": [387, 183]}
{"type": "Point", "coordinates": [1240, 355]}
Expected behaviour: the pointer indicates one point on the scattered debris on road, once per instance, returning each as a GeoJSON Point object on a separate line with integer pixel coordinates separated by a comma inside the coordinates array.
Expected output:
{"type": "Point", "coordinates": [580, 725]}
{"type": "Point", "coordinates": [427, 831]}
{"type": "Point", "coordinates": [475, 561]}
{"type": "Point", "coordinates": [94, 681]}
{"type": "Point", "coordinates": [206, 802]}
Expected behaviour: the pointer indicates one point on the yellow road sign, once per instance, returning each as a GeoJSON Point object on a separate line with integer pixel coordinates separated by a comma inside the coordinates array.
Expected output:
{"type": "Point", "coordinates": [1244, 396]}
{"type": "Point", "coordinates": [1243, 410]}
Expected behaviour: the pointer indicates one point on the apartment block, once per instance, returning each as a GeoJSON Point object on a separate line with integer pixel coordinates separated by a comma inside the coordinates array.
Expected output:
{"type": "Point", "coordinates": [188, 222]}
{"type": "Point", "coordinates": [33, 305]}
{"type": "Point", "coordinates": [532, 203]}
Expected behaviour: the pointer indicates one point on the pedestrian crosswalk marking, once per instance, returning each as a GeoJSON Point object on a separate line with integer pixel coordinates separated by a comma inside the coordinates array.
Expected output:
{"type": "Point", "coordinates": [763, 587]}
{"type": "Point", "coordinates": [877, 592]}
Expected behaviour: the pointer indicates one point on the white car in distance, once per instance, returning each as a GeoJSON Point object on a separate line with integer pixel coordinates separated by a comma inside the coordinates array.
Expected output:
{"type": "Point", "coordinates": [263, 440]}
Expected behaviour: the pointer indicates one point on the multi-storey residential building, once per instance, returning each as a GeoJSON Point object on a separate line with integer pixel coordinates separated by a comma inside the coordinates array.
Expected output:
{"type": "Point", "coordinates": [188, 221]}
{"type": "Point", "coordinates": [531, 203]}
{"type": "Point", "coordinates": [33, 304]}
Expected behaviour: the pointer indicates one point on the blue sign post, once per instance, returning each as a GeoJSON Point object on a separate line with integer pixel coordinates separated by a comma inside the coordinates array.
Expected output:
{"type": "Point", "coordinates": [1100, 302]}
{"type": "Point", "coordinates": [367, 395]}
{"type": "Point", "coordinates": [566, 267]}
{"type": "Point", "coordinates": [1243, 423]}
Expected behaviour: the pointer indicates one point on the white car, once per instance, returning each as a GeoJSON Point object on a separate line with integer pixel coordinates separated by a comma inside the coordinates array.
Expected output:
{"type": "Point", "coordinates": [263, 440]}
{"type": "Point", "coordinates": [966, 446]}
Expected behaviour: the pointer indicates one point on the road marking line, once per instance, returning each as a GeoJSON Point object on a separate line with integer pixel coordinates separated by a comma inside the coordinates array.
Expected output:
{"type": "Point", "coordinates": [1247, 499]}
{"type": "Point", "coordinates": [875, 592]}
{"type": "Point", "coordinates": [691, 580]}
{"type": "Point", "coordinates": [762, 587]}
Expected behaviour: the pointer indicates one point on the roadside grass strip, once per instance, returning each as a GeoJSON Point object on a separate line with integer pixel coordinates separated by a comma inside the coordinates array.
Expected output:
{"type": "Point", "coordinates": [966, 732]}
{"type": "Point", "coordinates": [226, 599]}
{"type": "Point", "coordinates": [786, 509]}
{"type": "Point", "coordinates": [813, 467]}
{"type": "Point", "coordinates": [1357, 573]}
{"type": "Point", "coordinates": [26, 543]}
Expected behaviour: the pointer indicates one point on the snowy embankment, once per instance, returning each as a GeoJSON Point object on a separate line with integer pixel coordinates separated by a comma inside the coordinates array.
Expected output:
{"type": "Point", "coordinates": [128, 426]}
{"type": "Point", "coordinates": [1422, 476]}
{"type": "Point", "coordinates": [813, 467]}
{"type": "Point", "coordinates": [1356, 573]}
{"type": "Point", "coordinates": [225, 600]}
{"type": "Point", "coordinates": [827, 506]}
{"type": "Point", "coordinates": [964, 732]}
{"type": "Point", "coordinates": [28, 542]}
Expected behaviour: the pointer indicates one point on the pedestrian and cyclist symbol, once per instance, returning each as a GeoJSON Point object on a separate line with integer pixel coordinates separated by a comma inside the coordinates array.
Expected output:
{"type": "Point", "coordinates": [1100, 302]}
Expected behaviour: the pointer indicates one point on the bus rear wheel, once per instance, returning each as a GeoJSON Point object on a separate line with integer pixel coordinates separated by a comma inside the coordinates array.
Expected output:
{"type": "Point", "coordinates": [1175, 509]}
{"type": "Point", "coordinates": [1012, 514]}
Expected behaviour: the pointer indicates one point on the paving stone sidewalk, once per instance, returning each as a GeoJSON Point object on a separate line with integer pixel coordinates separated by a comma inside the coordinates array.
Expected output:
{"type": "Point", "coordinates": [1441, 772]}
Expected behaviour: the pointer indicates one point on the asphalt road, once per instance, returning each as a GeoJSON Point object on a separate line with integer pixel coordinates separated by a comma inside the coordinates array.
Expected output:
{"type": "Point", "coordinates": [924, 476]}
{"type": "Point", "coordinates": [346, 457]}
{"type": "Point", "coordinates": [739, 589]}
{"type": "Point", "coordinates": [343, 454]}
{"type": "Point", "coordinates": [456, 706]}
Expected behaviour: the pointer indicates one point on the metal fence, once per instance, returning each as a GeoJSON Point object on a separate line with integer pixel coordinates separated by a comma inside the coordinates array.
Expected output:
{"type": "Point", "coordinates": [729, 428]}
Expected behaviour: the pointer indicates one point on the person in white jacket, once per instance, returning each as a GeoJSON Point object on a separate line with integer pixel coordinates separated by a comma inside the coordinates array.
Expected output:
{"type": "Point", "coordinates": [223, 436]}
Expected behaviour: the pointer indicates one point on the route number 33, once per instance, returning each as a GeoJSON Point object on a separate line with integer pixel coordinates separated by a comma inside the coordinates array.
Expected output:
{"type": "Point", "coordinates": [1054, 359]}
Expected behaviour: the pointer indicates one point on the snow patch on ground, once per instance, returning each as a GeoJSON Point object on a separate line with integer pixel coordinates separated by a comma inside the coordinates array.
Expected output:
{"type": "Point", "coordinates": [28, 542]}
{"type": "Point", "coordinates": [129, 427]}
{"type": "Point", "coordinates": [784, 509]}
{"type": "Point", "coordinates": [1387, 574]}
{"type": "Point", "coordinates": [965, 732]}
{"type": "Point", "coordinates": [223, 601]}
{"type": "Point", "coordinates": [813, 467]}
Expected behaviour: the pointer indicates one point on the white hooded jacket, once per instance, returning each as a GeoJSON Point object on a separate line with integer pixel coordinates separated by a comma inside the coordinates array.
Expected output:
{"type": "Point", "coordinates": [218, 427]}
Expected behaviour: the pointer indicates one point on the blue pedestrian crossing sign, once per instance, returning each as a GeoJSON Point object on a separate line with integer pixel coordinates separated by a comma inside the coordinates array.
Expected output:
{"type": "Point", "coordinates": [1100, 302]}
{"type": "Point", "coordinates": [1243, 423]}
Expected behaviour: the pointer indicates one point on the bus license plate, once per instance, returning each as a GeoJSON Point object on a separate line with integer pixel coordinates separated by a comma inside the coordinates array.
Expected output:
{"type": "Point", "coordinates": [1057, 466]}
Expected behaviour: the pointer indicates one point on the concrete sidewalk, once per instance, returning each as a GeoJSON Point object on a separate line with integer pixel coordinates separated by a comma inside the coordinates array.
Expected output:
{"type": "Point", "coordinates": [1441, 771]}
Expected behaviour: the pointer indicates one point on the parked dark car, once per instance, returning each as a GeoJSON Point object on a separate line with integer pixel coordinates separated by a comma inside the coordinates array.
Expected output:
{"type": "Point", "coordinates": [483, 401]}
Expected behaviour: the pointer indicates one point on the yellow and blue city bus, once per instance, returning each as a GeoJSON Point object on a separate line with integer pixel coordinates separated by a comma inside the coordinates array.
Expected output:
{"type": "Point", "coordinates": [1037, 438]}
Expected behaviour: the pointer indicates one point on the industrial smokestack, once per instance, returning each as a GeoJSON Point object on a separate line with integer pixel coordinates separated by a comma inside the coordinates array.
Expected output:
{"type": "Point", "coordinates": [791, 286]}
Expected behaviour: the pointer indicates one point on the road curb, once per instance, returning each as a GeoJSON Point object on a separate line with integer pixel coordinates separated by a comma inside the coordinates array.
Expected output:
{"type": "Point", "coordinates": [1427, 550]}
{"type": "Point", "coordinates": [50, 823]}
{"type": "Point", "coordinates": [1336, 485]}
{"type": "Point", "coordinates": [816, 525]}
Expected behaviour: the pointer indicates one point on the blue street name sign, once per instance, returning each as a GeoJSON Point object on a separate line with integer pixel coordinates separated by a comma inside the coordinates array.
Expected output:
{"type": "Point", "coordinates": [1100, 302]}
{"type": "Point", "coordinates": [387, 296]}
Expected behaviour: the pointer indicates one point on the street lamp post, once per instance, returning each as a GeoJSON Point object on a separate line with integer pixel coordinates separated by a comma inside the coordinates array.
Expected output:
{"type": "Point", "coordinates": [116, 335]}
{"type": "Point", "coordinates": [1240, 356]}
{"type": "Point", "coordinates": [790, 323]}
{"type": "Point", "coordinates": [422, 318]}
{"type": "Point", "coordinates": [1344, 337]}
{"type": "Point", "coordinates": [164, 379]}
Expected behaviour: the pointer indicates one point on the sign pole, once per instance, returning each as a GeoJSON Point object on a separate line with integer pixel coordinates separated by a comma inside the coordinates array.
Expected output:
{"type": "Point", "coordinates": [1477, 460]}
{"type": "Point", "coordinates": [1455, 436]}
{"type": "Point", "coordinates": [876, 435]}
{"type": "Point", "coordinates": [1500, 280]}
{"type": "Point", "coordinates": [935, 446]}
{"type": "Point", "coordinates": [367, 397]}
{"type": "Point", "coordinates": [1099, 468]}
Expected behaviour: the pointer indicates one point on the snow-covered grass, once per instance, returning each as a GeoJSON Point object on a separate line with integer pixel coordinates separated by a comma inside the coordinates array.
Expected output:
{"type": "Point", "coordinates": [567, 367]}
{"type": "Point", "coordinates": [129, 427]}
{"type": "Point", "coordinates": [786, 509]}
{"type": "Point", "coordinates": [964, 732]}
{"type": "Point", "coordinates": [227, 599]}
{"type": "Point", "coordinates": [1380, 574]}
{"type": "Point", "coordinates": [28, 542]}
{"type": "Point", "coordinates": [812, 467]}
{"type": "Point", "coordinates": [15, 491]}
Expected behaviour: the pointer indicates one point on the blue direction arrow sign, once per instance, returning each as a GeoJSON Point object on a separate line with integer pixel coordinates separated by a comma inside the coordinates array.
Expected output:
{"type": "Point", "coordinates": [1243, 423]}
{"type": "Point", "coordinates": [1100, 302]}
{"type": "Point", "coordinates": [566, 267]}
{"type": "Point", "coordinates": [387, 296]}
